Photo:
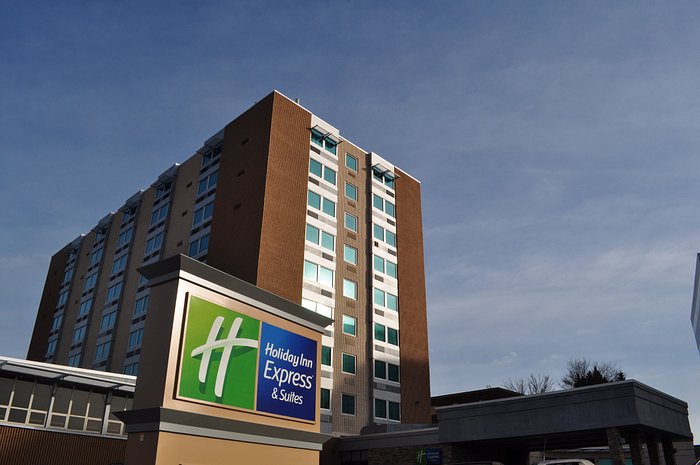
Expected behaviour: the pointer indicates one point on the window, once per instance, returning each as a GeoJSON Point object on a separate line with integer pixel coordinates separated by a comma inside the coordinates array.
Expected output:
{"type": "Point", "coordinates": [349, 289]}
{"type": "Point", "coordinates": [96, 256]}
{"type": "Point", "coordinates": [114, 291]}
{"type": "Point", "coordinates": [62, 298]}
{"type": "Point", "coordinates": [141, 306]}
{"type": "Point", "coordinates": [135, 338]}
{"type": "Point", "coordinates": [318, 273]}
{"type": "Point", "coordinates": [163, 189]}
{"type": "Point", "coordinates": [90, 282]}
{"type": "Point", "coordinates": [131, 369]}
{"type": "Point", "coordinates": [119, 264]}
{"type": "Point", "coordinates": [347, 404]}
{"type": "Point", "coordinates": [79, 334]}
{"type": "Point", "coordinates": [322, 171]}
{"type": "Point", "coordinates": [349, 325]}
{"type": "Point", "coordinates": [67, 275]}
{"type": "Point", "coordinates": [385, 299]}
{"type": "Point", "coordinates": [85, 307]}
{"type": "Point", "coordinates": [384, 177]}
{"type": "Point", "coordinates": [56, 323]}
{"type": "Point", "coordinates": [324, 310]}
{"type": "Point", "coordinates": [379, 369]}
{"type": "Point", "coordinates": [74, 360]}
{"type": "Point", "coordinates": [391, 269]}
{"type": "Point", "coordinates": [379, 408]}
{"type": "Point", "coordinates": [392, 336]}
{"type": "Point", "coordinates": [326, 353]}
{"type": "Point", "coordinates": [322, 140]}
{"type": "Point", "coordinates": [107, 321]}
{"type": "Point", "coordinates": [390, 209]}
{"type": "Point", "coordinates": [203, 213]}
{"type": "Point", "coordinates": [350, 191]}
{"type": "Point", "coordinates": [125, 236]}
{"type": "Point", "coordinates": [377, 202]}
{"type": "Point", "coordinates": [350, 254]}
{"type": "Point", "coordinates": [199, 246]}
{"type": "Point", "coordinates": [211, 155]}
{"type": "Point", "coordinates": [154, 243]}
{"type": "Point", "coordinates": [348, 364]}
{"type": "Point", "coordinates": [159, 214]}
{"type": "Point", "coordinates": [207, 183]}
{"type": "Point", "coordinates": [393, 372]}
{"type": "Point", "coordinates": [51, 348]}
{"type": "Point", "coordinates": [384, 235]}
{"type": "Point", "coordinates": [351, 222]}
{"type": "Point", "coordinates": [384, 205]}
{"type": "Point", "coordinates": [317, 202]}
{"type": "Point", "coordinates": [325, 398]}
{"type": "Point", "coordinates": [319, 237]}
{"type": "Point", "coordinates": [129, 213]}
{"type": "Point", "coordinates": [351, 162]}
{"type": "Point", "coordinates": [379, 332]}
{"type": "Point", "coordinates": [394, 411]}
{"type": "Point", "coordinates": [384, 370]}
{"type": "Point", "coordinates": [102, 351]}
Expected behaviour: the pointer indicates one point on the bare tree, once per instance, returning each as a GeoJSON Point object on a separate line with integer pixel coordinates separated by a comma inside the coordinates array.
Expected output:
{"type": "Point", "coordinates": [583, 372]}
{"type": "Point", "coordinates": [536, 383]}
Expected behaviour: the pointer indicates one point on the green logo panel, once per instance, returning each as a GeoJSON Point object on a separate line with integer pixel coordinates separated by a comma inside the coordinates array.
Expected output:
{"type": "Point", "coordinates": [219, 355]}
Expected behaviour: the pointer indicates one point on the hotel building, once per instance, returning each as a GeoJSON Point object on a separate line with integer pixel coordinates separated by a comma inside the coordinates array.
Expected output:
{"type": "Point", "coordinates": [279, 199]}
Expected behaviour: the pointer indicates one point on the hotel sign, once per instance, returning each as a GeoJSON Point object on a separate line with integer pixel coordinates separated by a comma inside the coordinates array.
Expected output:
{"type": "Point", "coordinates": [233, 360]}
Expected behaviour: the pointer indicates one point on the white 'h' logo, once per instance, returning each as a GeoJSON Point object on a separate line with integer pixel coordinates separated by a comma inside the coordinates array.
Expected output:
{"type": "Point", "coordinates": [227, 344]}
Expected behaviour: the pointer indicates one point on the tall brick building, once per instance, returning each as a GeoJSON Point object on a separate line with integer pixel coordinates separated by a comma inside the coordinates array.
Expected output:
{"type": "Point", "coordinates": [280, 199]}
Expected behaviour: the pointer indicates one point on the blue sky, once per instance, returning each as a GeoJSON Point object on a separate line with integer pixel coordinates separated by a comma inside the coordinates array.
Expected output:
{"type": "Point", "coordinates": [556, 142]}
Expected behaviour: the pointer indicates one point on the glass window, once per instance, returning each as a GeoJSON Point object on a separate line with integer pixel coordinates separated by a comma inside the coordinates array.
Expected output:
{"type": "Point", "coordinates": [90, 282]}
{"type": "Point", "coordinates": [50, 349]}
{"type": "Point", "coordinates": [132, 369]}
{"type": "Point", "coordinates": [378, 232]}
{"type": "Point", "coordinates": [379, 297]}
{"type": "Point", "coordinates": [379, 408]}
{"type": "Point", "coordinates": [85, 307]}
{"type": "Point", "coordinates": [378, 264]}
{"type": "Point", "coordinates": [125, 236]}
{"type": "Point", "coordinates": [394, 411]}
{"type": "Point", "coordinates": [135, 338]}
{"type": "Point", "coordinates": [392, 336]}
{"type": "Point", "coordinates": [350, 191]}
{"type": "Point", "coordinates": [141, 306]}
{"type": "Point", "coordinates": [74, 360]}
{"type": "Point", "coordinates": [327, 241]}
{"type": "Point", "coordinates": [390, 209]}
{"type": "Point", "coordinates": [119, 264]}
{"type": "Point", "coordinates": [102, 351]}
{"type": "Point", "coordinates": [317, 273]}
{"type": "Point", "coordinates": [203, 213]}
{"type": "Point", "coordinates": [199, 246]}
{"type": "Point", "coordinates": [349, 325]}
{"type": "Point", "coordinates": [314, 200]}
{"type": "Point", "coordinates": [325, 398]}
{"type": "Point", "coordinates": [391, 238]}
{"type": "Point", "coordinates": [329, 207]}
{"type": "Point", "coordinates": [312, 234]}
{"type": "Point", "coordinates": [379, 369]}
{"type": "Point", "coordinates": [315, 168]}
{"type": "Point", "coordinates": [154, 243]}
{"type": "Point", "coordinates": [207, 183]}
{"type": "Point", "coordinates": [349, 364]}
{"type": "Point", "coordinates": [159, 214]}
{"type": "Point", "coordinates": [79, 334]}
{"type": "Point", "coordinates": [68, 275]}
{"type": "Point", "coordinates": [62, 298]}
{"type": "Point", "coordinates": [349, 289]}
{"type": "Point", "coordinates": [310, 271]}
{"type": "Point", "coordinates": [317, 137]}
{"type": "Point", "coordinates": [350, 254]}
{"type": "Point", "coordinates": [331, 146]}
{"type": "Point", "coordinates": [393, 372]}
{"type": "Point", "coordinates": [96, 256]}
{"type": "Point", "coordinates": [325, 276]}
{"type": "Point", "coordinates": [379, 332]}
{"type": "Point", "coordinates": [114, 291]}
{"type": "Point", "coordinates": [108, 320]}
{"type": "Point", "coordinates": [392, 302]}
{"type": "Point", "coordinates": [391, 269]}
{"type": "Point", "coordinates": [351, 162]}
{"type": "Point", "coordinates": [348, 404]}
{"type": "Point", "coordinates": [329, 175]}
{"type": "Point", "coordinates": [326, 353]}
{"type": "Point", "coordinates": [377, 202]}
{"type": "Point", "coordinates": [56, 323]}
{"type": "Point", "coordinates": [351, 222]}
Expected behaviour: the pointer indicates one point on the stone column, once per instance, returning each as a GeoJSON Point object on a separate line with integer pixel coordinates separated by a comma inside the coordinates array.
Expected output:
{"type": "Point", "coordinates": [639, 457]}
{"type": "Point", "coordinates": [617, 455]}
{"type": "Point", "coordinates": [669, 451]}
{"type": "Point", "coordinates": [653, 448]}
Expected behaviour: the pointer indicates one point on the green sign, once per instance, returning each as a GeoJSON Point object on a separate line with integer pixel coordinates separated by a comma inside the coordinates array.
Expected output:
{"type": "Point", "coordinates": [220, 354]}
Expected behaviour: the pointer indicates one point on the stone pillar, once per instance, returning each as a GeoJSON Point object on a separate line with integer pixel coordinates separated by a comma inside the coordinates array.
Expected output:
{"type": "Point", "coordinates": [669, 451]}
{"type": "Point", "coordinates": [639, 457]}
{"type": "Point", "coordinates": [617, 455]}
{"type": "Point", "coordinates": [653, 448]}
